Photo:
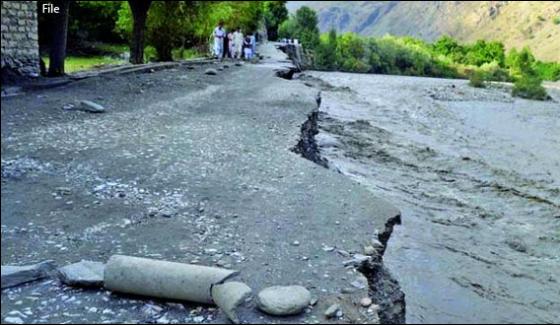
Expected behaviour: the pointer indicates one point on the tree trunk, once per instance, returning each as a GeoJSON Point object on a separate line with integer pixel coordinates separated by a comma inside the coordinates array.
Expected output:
{"type": "Point", "coordinates": [139, 11]}
{"type": "Point", "coordinates": [57, 51]}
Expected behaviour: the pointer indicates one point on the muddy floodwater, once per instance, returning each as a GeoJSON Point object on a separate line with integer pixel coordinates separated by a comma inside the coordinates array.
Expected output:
{"type": "Point", "coordinates": [476, 175]}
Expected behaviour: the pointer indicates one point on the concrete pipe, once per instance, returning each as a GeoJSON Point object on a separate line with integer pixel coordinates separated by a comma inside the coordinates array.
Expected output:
{"type": "Point", "coordinates": [162, 279]}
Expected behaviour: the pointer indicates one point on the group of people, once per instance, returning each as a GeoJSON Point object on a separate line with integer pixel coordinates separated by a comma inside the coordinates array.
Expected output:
{"type": "Point", "coordinates": [233, 45]}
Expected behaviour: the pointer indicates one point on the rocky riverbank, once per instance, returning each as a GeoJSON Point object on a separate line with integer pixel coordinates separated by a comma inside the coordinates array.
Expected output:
{"type": "Point", "coordinates": [475, 173]}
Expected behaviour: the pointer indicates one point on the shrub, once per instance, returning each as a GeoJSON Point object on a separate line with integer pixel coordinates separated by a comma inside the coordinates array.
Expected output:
{"type": "Point", "coordinates": [494, 72]}
{"type": "Point", "coordinates": [547, 70]}
{"type": "Point", "coordinates": [556, 20]}
{"type": "Point", "coordinates": [477, 79]}
{"type": "Point", "coordinates": [529, 87]}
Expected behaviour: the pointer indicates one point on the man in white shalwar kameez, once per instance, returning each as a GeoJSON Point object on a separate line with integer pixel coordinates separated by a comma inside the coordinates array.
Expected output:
{"type": "Point", "coordinates": [219, 33]}
{"type": "Point", "coordinates": [238, 44]}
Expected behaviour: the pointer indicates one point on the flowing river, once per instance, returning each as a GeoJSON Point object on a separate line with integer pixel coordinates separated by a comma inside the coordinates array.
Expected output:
{"type": "Point", "coordinates": [476, 175]}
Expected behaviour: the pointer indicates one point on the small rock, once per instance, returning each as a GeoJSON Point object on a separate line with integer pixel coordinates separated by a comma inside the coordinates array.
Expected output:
{"type": "Point", "coordinates": [68, 107]}
{"type": "Point", "coordinates": [16, 275]}
{"type": "Point", "coordinates": [167, 213]}
{"type": "Point", "coordinates": [296, 243]}
{"type": "Point", "coordinates": [82, 274]}
{"type": "Point", "coordinates": [361, 282]}
{"type": "Point", "coordinates": [377, 244]}
{"type": "Point", "coordinates": [517, 244]}
{"type": "Point", "coordinates": [283, 301]}
{"type": "Point", "coordinates": [366, 302]}
{"type": "Point", "coordinates": [13, 320]}
{"type": "Point", "coordinates": [332, 311]}
{"type": "Point", "coordinates": [151, 310]}
{"type": "Point", "coordinates": [91, 107]}
{"type": "Point", "coordinates": [238, 64]}
{"type": "Point", "coordinates": [357, 260]}
{"type": "Point", "coordinates": [370, 251]}
{"type": "Point", "coordinates": [211, 72]}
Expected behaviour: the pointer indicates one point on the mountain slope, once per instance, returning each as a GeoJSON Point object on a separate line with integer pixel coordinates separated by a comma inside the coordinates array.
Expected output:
{"type": "Point", "coordinates": [516, 23]}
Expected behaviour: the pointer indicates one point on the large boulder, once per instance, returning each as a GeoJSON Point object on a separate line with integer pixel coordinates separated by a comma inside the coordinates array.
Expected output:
{"type": "Point", "coordinates": [283, 301]}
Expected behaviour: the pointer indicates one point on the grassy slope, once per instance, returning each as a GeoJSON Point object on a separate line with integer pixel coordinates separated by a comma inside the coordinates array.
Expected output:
{"type": "Point", "coordinates": [517, 24]}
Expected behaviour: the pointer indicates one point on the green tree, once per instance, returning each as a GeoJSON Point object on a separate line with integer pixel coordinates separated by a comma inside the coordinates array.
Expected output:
{"type": "Point", "coordinates": [59, 30]}
{"type": "Point", "coordinates": [287, 28]}
{"type": "Point", "coordinates": [275, 13]}
{"type": "Point", "coordinates": [448, 46]}
{"type": "Point", "coordinates": [139, 10]}
{"type": "Point", "coordinates": [325, 53]}
{"type": "Point", "coordinates": [351, 53]}
{"type": "Point", "coordinates": [306, 29]}
{"type": "Point", "coordinates": [485, 52]}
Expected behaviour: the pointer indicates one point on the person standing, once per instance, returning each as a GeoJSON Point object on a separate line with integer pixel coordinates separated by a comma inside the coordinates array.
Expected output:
{"type": "Point", "coordinates": [230, 44]}
{"type": "Point", "coordinates": [226, 53]}
{"type": "Point", "coordinates": [253, 44]}
{"type": "Point", "coordinates": [247, 48]}
{"type": "Point", "coordinates": [238, 43]}
{"type": "Point", "coordinates": [219, 34]}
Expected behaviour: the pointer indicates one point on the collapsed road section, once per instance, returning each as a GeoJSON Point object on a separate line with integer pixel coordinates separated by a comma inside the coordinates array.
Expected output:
{"type": "Point", "coordinates": [182, 167]}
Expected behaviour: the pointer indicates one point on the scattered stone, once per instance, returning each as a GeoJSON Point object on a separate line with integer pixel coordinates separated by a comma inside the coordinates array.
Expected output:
{"type": "Point", "coordinates": [151, 310]}
{"type": "Point", "coordinates": [11, 91]}
{"type": "Point", "coordinates": [370, 251]}
{"type": "Point", "coordinates": [91, 107]}
{"type": "Point", "coordinates": [63, 190]}
{"type": "Point", "coordinates": [68, 107]}
{"type": "Point", "coordinates": [360, 283]}
{"type": "Point", "coordinates": [13, 320]}
{"type": "Point", "coordinates": [211, 72]}
{"type": "Point", "coordinates": [283, 301]}
{"type": "Point", "coordinates": [238, 64]}
{"type": "Point", "coordinates": [167, 213]}
{"type": "Point", "coordinates": [313, 301]}
{"type": "Point", "coordinates": [332, 311]}
{"type": "Point", "coordinates": [296, 243]}
{"type": "Point", "coordinates": [83, 274]}
{"type": "Point", "coordinates": [229, 296]}
{"type": "Point", "coordinates": [328, 248]}
{"type": "Point", "coordinates": [366, 302]}
{"type": "Point", "coordinates": [15, 275]}
{"type": "Point", "coordinates": [517, 244]}
{"type": "Point", "coordinates": [377, 244]}
{"type": "Point", "coordinates": [357, 260]}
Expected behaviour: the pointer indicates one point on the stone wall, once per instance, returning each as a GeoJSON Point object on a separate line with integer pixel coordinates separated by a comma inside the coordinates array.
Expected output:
{"type": "Point", "coordinates": [20, 45]}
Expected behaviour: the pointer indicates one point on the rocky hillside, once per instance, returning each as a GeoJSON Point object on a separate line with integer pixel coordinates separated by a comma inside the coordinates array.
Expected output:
{"type": "Point", "coordinates": [516, 23]}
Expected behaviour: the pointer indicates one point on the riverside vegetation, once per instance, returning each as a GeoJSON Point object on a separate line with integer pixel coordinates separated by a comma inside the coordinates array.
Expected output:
{"type": "Point", "coordinates": [480, 61]}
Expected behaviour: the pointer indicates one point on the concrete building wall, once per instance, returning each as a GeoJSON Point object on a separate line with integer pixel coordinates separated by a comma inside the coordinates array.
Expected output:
{"type": "Point", "coordinates": [20, 45]}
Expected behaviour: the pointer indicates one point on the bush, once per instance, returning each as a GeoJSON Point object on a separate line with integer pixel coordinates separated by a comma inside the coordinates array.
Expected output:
{"type": "Point", "coordinates": [477, 79]}
{"type": "Point", "coordinates": [492, 71]}
{"type": "Point", "coordinates": [547, 70]}
{"type": "Point", "coordinates": [529, 87]}
{"type": "Point", "coordinates": [556, 20]}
